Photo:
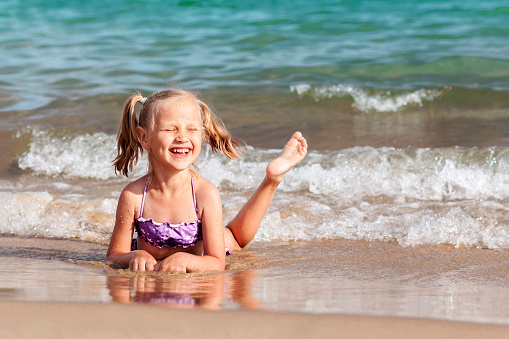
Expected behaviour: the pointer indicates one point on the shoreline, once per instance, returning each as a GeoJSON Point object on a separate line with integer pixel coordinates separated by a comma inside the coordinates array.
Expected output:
{"type": "Point", "coordinates": [88, 320]}
{"type": "Point", "coordinates": [372, 279]}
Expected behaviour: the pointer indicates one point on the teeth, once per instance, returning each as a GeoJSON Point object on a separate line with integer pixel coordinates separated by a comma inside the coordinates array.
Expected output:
{"type": "Point", "coordinates": [180, 150]}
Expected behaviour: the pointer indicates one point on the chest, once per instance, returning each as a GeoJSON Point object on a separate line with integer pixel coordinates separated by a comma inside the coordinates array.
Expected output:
{"type": "Point", "coordinates": [172, 209]}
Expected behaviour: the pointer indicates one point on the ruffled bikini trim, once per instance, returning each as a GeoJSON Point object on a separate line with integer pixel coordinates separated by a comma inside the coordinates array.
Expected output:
{"type": "Point", "coordinates": [185, 234]}
{"type": "Point", "coordinates": [167, 224]}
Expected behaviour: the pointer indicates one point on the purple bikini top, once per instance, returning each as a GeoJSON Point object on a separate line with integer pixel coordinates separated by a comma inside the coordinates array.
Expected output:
{"type": "Point", "coordinates": [185, 234]}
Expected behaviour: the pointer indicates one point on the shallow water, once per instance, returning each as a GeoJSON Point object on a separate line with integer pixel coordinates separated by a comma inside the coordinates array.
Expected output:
{"type": "Point", "coordinates": [320, 277]}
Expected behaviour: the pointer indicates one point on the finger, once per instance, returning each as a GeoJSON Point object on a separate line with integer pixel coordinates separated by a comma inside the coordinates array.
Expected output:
{"type": "Point", "coordinates": [149, 266]}
{"type": "Point", "coordinates": [141, 266]}
{"type": "Point", "coordinates": [177, 269]}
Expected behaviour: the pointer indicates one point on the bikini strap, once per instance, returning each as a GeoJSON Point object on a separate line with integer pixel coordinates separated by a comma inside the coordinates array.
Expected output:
{"type": "Point", "coordinates": [143, 198]}
{"type": "Point", "coordinates": [194, 196]}
{"type": "Point", "coordinates": [145, 193]}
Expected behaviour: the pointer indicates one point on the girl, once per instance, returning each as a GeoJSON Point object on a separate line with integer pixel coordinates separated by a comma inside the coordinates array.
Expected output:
{"type": "Point", "coordinates": [191, 237]}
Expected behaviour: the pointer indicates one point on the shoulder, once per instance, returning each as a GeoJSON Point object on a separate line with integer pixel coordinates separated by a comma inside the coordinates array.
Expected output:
{"type": "Point", "coordinates": [136, 187]}
{"type": "Point", "coordinates": [206, 192]}
{"type": "Point", "coordinates": [133, 191]}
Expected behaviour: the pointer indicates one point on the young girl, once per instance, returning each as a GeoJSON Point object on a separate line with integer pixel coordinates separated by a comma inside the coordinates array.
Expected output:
{"type": "Point", "coordinates": [189, 235]}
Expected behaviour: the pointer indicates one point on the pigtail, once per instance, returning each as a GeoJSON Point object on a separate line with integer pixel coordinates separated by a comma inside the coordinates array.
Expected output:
{"type": "Point", "coordinates": [216, 134]}
{"type": "Point", "coordinates": [128, 145]}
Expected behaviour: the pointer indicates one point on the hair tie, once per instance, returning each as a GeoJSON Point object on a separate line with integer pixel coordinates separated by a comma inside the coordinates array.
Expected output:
{"type": "Point", "coordinates": [142, 100]}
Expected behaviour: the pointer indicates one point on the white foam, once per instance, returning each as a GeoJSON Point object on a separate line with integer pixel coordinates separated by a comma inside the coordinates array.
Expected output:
{"type": "Point", "coordinates": [365, 101]}
{"type": "Point", "coordinates": [422, 223]}
{"type": "Point", "coordinates": [44, 215]}
{"type": "Point", "coordinates": [424, 174]}
{"type": "Point", "coordinates": [413, 196]}
{"type": "Point", "coordinates": [81, 156]}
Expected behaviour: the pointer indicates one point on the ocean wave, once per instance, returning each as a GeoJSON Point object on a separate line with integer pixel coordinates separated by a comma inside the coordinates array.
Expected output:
{"type": "Point", "coordinates": [42, 214]}
{"type": "Point", "coordinates": [414, 196]}
{"type": "Point", "coordinates": [411, 173]}
{"type": "Point", "coordinates": [291, 217]}
{"type": "Point", "coordinates": [86, 156]}
{"type": "Point", "coordinates": [470, 224]}
{"type": "Point", "coordinates": [364, 100]}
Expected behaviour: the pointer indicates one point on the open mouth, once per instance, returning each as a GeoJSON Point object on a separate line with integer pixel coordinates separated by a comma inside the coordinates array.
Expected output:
{"type": "Point", "coordinates": [180, 151]}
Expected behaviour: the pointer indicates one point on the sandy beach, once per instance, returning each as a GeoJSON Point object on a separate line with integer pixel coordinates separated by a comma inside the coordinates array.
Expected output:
{"type": "Point", "coordinates": [64, 288]}
{"type": "Point", "coordinates": [93, 320]}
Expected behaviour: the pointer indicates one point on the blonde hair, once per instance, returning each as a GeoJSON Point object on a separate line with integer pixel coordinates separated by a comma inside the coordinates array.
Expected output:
{"type": "Point", "coordinates": [129, 147]}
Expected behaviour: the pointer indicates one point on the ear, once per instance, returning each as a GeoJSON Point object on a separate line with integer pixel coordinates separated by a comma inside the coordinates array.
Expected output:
{"type": "Point", "coordinates": [143, 137]}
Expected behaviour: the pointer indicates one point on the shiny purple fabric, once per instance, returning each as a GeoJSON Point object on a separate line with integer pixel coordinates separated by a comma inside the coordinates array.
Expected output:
{"type": "Point", "coordinates": [185, 235]}
{"type": "Point", "coordinates": [164, 298]}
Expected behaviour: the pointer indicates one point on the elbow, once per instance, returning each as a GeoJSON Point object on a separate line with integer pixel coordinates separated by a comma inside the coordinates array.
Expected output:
{"type": "Point", "coordinates": [112, 256]}
{"type": "Point", "coordinates": [220, 265]}
{"type": "Point", "coordinates": [109, 255]}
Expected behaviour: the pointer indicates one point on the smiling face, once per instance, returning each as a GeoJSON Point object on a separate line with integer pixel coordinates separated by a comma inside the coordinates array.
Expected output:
{"type": "Point", "coordinates": [175, 142]}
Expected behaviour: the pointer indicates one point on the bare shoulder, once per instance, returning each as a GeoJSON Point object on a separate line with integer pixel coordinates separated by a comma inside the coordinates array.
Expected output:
{"type": "Point", "coordinates": [136, 187]}
{"type": "Point", "coordinates": [206, 192]}
{"type": "Point", "coordinates": [132, 194]}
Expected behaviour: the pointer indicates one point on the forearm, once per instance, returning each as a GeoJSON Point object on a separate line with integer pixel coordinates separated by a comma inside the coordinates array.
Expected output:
{"type": "Point", "coordinates": [247, 221]}
{"type": "Point", "coordinates": [189, 263]}
{"type": "Point", "coordinates": [205, 263]}
{"type": "Point", "coordinates": [120, 258]}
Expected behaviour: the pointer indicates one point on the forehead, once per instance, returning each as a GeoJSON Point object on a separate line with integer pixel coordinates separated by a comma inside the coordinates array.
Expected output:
{"type": "Point", "coordinates": [178, 109]}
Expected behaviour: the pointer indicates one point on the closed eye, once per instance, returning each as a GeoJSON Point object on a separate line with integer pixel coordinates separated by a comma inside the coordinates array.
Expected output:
{"type": "Point", "coordinates": [193, 128]}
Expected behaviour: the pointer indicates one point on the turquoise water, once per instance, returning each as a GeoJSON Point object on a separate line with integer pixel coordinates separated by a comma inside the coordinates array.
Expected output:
{"type": "Point", "coordinates": [76, 49]}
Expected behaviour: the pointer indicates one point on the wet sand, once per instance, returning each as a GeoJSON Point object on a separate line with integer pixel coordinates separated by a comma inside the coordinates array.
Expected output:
{"type": "Point", "coordinates": [336, 277]}
{"type": "Point", "coordinates": [92, 320]}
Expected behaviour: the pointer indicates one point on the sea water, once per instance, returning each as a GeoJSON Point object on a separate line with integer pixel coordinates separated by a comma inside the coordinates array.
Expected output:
{"type": "Point", "coordinates": [404, 105]}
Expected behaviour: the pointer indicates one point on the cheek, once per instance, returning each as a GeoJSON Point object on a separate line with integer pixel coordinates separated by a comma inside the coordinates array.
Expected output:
{"type": "Point", "coordinates": [200, 137]}
{"type": "Point", "coordinates": [198, 144]}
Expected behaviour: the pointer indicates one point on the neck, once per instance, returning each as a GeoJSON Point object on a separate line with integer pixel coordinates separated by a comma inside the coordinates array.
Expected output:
{"type": "Point", "coordinates": [164, 180]}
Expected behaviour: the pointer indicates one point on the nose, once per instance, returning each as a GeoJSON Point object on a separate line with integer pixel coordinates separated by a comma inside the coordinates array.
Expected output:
{"type": "Point", "coordinates": [182, 136]}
